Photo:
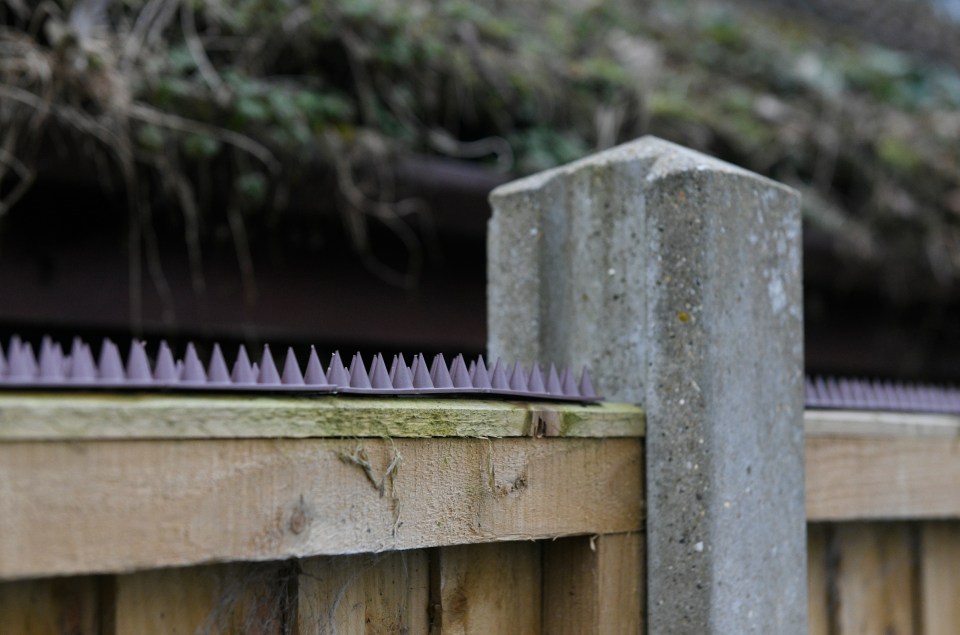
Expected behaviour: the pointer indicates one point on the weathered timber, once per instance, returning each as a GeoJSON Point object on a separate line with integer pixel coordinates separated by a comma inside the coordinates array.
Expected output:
{"type": "Point", "coordinates": [364, 593]}
{"type": "Point", "coordinates": [593, 584]}
{"type": "Point", "coordinates": [102, 416]}
{"type": "Point", "coordinates": [105, 506]}
{"type": "Point", "coordinates": [818, 591]}
{"type": "Point", "coordinates": [878, 424]}
{"type": "Point", "coordinates": [52, 606]}
{"type": "Point", "coordinates": [940, 577]}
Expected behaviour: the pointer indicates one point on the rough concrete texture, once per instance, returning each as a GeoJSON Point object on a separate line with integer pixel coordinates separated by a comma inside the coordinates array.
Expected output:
{"type": "Point", "coordinates": [678, 277]}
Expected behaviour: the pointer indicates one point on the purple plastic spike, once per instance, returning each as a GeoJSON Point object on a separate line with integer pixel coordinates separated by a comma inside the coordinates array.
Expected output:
{"type": "Point", "coordinates": [242, 368]}
{"type": "Point", "coordinates": [138, 366]}
{"type": "Point", "coordinates": [110, 366]}
{"type": "Point", "coordinates": [553, 381]}
{"type": "Point", "coordinates": [498, 377]}
{"type": "Point", "coordinates": [459, 373]}
{"type": "Point", "coordinates": [217, 372]}
{"type": "Point", "coordinates": [268, 374]}
{"type": "Point", "coordinates": [586, 385]}
{"type": "Point", "coordinates": [567, 384]}
{"type": "Point", "coordinates": [3, 363]}
{"type": "Point", "coordinates": [22, 363]}
{"type": "Point", "coordinates": [291, 370]}
{"type": "Point", "coordinates": [472, 369]}
{"type": "Point", "coordinates": [480, 376]}
{"type": "Point", "coordinates": [535, 382]}
{"type": "Point", "coordinates": [192, 372]}
{"type": "Point", "coordinates": [51, 362]}
{"type": "Point", "coordinates": [421, 378]}
{"type": "Point", "coordinates": [255, 371]}
{"type": "Point", "coordinates": [379, 377]}
{"type": "Point", "coordinates": [439, 374]}
{"type": "Point", "coordinates": [82, 369]}
{"type": "Point", "coordinates": [393, 368]}
{"type": "Point", "coordinates": [165, 370]}
{"type": "Point", "coordinates": [518, 378]}
{"type": "Point", "coordinates": [314, 375]}
{"type": "Point", "coordinates": [336, 373]}
{"type": "Point", "coordinates": [401, 378]}
{"type": "Point", "coordinates": [358, 373]}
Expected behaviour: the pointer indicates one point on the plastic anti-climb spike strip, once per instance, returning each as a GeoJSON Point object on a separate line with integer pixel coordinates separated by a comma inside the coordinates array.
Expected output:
{"type": "Point", "coordinates": [863, 394]}
{"type": "Point", "coordinates": [23, 368]}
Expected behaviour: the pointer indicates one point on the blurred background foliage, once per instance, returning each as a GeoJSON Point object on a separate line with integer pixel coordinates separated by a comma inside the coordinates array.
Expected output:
{"type": "Point", "coordinates": [184, 106]}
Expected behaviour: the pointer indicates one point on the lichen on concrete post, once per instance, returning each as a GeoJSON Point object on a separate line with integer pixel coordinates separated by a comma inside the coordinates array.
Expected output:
{"type": "Point", "coordinates": [677, 277]}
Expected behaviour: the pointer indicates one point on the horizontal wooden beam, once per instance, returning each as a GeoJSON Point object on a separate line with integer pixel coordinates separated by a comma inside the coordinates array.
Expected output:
{"type": "Point", "coordinates": [69, 507]}
{"type": "Point", "coordinates": [873, 465]}
{"type": "Point", "coordinates": [59, 416]}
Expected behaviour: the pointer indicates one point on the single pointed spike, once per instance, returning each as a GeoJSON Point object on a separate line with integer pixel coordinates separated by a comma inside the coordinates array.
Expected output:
{"type": "Point", "coordinates": [217, 372]}
{"type": "Point", "coordinates": [291, 370]}
{"type": "Point", "coordinates": [480, 375]}
{"type": "Point", "coordinates": [553, 381]}
{"type": "Point", "coordinates": [3, 363]}
{"type": "Point", "coordinates": [268, 374]}
{"type": "Point", "coordinates": [393, 368]}
{"type": "Point", "coordinates": [165, 369]}
{"type": "Point", "coordinates": [193, 372]}
{"type": "Point", "coordinates": [110, 366]}
{"type": "Point", "coordinates": [586, 384]}
{"type": "Point", "coordinates": [518, 378]}
{"type": "Point", "coordinates": [255, 371]}
{"type": "Point", "coordinates": [51, 362]}
{"type": "Point", "coordinates": [358, 373]}
{"type": "Point", "coordinates": [401, 378]}
{"type": "Point", "coordinates": [472, 369]}
{"type": "Point", "coordinates": [337, 375]}
{"type": "Point", "coordinates": [568, 385]}
{"type": "Point", "coordinates": [314, 375]}
{"type": "Point", "coordinates": [459, 373]}
{"type": "Point", "coordinates": [379, 377]}
{"type": "Point", "coordinates": [178, 368]}
{"type": "Point", "coordinates": [23, 364]}
{"type": "Point", "coordinates": [535, 381]}
{"type": "Point", "coordinates": [439, 374]}
{"type": "Point", "coordinates": [82, 368]}
{"type": "Point", "coordinates": [138, 366]}
{"type": "Point", "coordinates": [242, 368]}
{"type": "Point", "coordinates": [421, 377]}
{"type": "Point", "coordinates": [498, 377]}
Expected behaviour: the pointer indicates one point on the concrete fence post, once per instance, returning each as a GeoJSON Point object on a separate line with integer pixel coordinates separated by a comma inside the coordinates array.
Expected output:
{"type": "Point", "coordinates": [677, 278]}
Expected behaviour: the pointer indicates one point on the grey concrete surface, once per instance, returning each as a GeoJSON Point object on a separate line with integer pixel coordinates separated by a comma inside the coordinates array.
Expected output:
{"type": "Point", "coordinates": [677, 278]}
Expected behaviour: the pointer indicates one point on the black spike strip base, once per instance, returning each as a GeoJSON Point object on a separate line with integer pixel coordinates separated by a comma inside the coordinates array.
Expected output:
{"type": "Point", "coordinates": [861, 394]}
{"type": "Point", "coordinates": [52, 368]}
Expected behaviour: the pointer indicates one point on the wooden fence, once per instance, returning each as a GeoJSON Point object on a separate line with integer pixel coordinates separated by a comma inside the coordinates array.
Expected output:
{"type": "Point", "coordinates": [332, 515]}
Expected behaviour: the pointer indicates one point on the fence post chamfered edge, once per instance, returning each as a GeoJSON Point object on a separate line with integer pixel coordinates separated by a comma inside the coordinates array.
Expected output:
{"type": "Point", "coordinates": [677, 278]}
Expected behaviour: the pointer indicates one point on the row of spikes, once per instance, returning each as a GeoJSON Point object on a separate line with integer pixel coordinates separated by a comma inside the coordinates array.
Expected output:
{"type": "Point", "coordinates": [53, 366]}
{"type": "Point", "coordinates": [864, 394]}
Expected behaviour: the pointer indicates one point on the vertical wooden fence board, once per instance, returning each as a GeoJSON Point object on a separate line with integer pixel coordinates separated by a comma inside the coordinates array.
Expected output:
{"type": "Point", "coordinates": [367, 593]}
{"type": "Point", "coordinates": [593, 584]}
{"type": "Point", "coordinates": [876, 581]}
{"type": "Point", "coordinates": [207, 600]}
{"type": "Point", "coordinates": [52, 606]}
{"type": "Point", "coordinates": [940, 577]}
{"type": "Point", "coordinates": [817, 580]}
{"type": "Point", "coordinates": [487, 588]}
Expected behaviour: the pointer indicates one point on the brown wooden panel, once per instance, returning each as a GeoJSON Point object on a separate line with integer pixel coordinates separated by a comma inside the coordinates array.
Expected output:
{"type": "Point", "coordinates": [230, 598]}
{"type": "Point", "coordinates": [876, 579]}
{"type": "Point", "coordinates": [487, 588]}
{"type": "Point", "coordinates": [940, 577]}
{"type": "Point", "coordinates": [817, 580]}
{"type": "Point", "coordinates": [593, 584]}
{"type": "Point", "coordinates": [54, 606]}
{"type": "Point", "coordinates": [132, 505]}
{"type": "Point", "coordinates": [366, 593]}
{"type": "Point", "coordinates": [850, 478]}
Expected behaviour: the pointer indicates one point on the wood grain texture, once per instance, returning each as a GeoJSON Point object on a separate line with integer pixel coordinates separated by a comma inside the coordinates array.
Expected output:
{"type": "Point", "coordinates": [593, 584]}
{"type": "Point", "coordinates": [940, 577]}
{"type": "Point", "coordinates": [876, 581]}
{"type": "Point", "coordinates": [56, 606]}
{"type": "Point", "coordinates": [818, 589]}
{"type": "Point", "coordinates": [116, 506]}
{"type": "Point", "coordinates": [365, 593]}
{"type": "Point", "coordinates": [868, 423]}
{"type": "Point", "coordinates": [218, 599]}
{"type": "Point", "coordinates": [487, 588]}
{"type": "Point", "coordinates": [80, 416]}
{"type": "Point", "coordinates": [882, 478]}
